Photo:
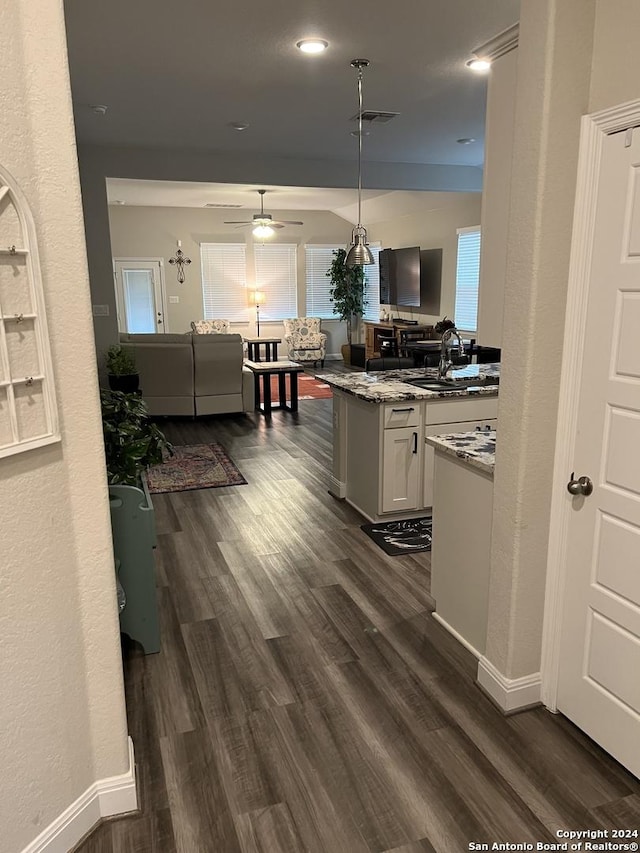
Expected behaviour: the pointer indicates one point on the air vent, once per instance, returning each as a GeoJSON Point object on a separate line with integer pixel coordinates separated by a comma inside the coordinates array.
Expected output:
{"type": "Point", "coordinates": [375, 115]}
{"type": "Point", "coordinates": [227, 206]}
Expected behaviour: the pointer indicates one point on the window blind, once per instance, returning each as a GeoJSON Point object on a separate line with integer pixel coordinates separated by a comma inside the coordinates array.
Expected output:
{"type": "Point", "coordinates": [318, 259]}
{"type": "Point", "coordinates": [467, 279]}
{"type": "Point", "coordinates": [319, 304]}
{"type": "Point", "coordinates": [372, 287]}
{"type": "Point", "coordinates": [224, 281]}
{"type": "Point", "coordinates": [276, 275]}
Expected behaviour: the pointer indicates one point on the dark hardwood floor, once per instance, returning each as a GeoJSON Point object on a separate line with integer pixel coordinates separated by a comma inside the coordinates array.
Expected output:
{"type": "Point", "coordinates": [304, 698]}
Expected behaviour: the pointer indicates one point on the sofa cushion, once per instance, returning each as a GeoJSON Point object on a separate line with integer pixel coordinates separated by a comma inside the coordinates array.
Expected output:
{"type": "Point", "coordinates": [218, 364]}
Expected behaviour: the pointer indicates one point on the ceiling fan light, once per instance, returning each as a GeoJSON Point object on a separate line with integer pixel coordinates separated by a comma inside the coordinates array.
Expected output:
{"type": "Point", "coordinates": [263, 231]}
{"type": "Point", "coordinates": [359, 254]}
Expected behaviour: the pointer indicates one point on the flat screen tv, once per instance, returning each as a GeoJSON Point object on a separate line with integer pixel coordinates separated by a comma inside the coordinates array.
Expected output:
{"type": "Point", "coordinates": [407, 276]}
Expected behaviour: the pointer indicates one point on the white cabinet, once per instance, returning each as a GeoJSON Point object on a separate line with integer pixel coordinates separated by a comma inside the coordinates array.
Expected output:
{"type": "Point", "coordinates": [387, 470]}
{"type": "Point", "coordinates": [428, 455]}
{"type": "Point", "coordinates": [460, 563]}
{"type": "Point", "coordinates": [401, 455]}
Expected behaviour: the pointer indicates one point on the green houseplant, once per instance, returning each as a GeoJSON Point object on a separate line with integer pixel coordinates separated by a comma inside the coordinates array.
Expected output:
{"type": "Point", "coordinates": [121, 369]}
{"type": "Point", "coordinates": [131, 442]}
{"type": "Point", "coordinates": [347, 295]}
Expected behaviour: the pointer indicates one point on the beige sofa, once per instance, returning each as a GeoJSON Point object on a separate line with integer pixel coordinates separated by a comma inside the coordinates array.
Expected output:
{"type": "Point", "coordinates": [192, 374]}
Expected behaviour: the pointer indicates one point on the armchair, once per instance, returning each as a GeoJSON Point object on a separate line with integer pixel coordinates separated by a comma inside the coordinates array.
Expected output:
{"type": "Point", "coordinates": [304, 340]}
{"type": "Point", "coordinates": [210, 327]}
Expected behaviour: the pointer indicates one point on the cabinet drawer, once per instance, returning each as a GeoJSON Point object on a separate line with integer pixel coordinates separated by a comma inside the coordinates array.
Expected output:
{"type": "Point", "coordinates": [402, 414]}
{"type": "Point", "coordinates": [444, 411]}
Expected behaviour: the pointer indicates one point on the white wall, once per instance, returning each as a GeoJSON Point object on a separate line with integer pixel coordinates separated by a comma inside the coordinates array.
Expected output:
{"type": "Point", "coordinates": [62, 713]}
{"type": "Point", "coordinates": [434, 227]}
{"type": "Point", "coordinates": [616, 59]}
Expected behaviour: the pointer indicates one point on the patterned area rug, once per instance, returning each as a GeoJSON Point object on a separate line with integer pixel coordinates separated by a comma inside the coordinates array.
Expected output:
{"type": "Point", "coordinates": [309, 388]}
{"type": "Point", "coordinates": [401, 537]}
{"type": "Point", "coordinates": [196, 466]}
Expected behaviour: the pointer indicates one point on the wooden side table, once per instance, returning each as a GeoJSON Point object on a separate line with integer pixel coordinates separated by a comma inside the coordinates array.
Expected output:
{"type": "Point", "coordinates": [270, 348]}
{"type": "Point", "coordinates": [281, 369]}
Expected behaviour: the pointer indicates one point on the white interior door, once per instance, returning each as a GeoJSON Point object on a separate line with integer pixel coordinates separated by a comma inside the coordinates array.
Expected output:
{"type": "Point", "coordinates": [139, 296]}
{"type": "Point", "coordinates": [599, 683]}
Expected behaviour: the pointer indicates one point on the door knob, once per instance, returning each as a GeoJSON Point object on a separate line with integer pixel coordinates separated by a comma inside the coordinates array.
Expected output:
{"type": "Point", "coordinates": [581, 486]}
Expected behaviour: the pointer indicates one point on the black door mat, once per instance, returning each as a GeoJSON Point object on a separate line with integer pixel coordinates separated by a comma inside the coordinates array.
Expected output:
{"type": "Point", "coordinates": [401, 537]}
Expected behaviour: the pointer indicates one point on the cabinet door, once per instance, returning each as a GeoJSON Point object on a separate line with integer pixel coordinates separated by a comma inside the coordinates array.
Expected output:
{"type": "Point", "coordinates": [402, 453]}
{"type": "Point", "coordinates": [429, 452]}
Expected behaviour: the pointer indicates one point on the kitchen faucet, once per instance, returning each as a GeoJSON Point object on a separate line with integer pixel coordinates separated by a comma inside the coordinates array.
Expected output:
{"type": "Point", "coordinates": [446, 363]}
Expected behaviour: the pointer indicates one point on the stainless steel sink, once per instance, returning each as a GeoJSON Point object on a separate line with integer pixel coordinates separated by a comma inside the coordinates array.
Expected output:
{"type": "Point", "coordinates": [450, 384]}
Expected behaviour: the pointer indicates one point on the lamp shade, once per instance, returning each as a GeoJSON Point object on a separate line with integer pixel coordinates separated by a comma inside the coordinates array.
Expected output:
{"type": "Point", "coordinates": [359, 253]}
{"type": "Point", "coordinates": [257, 297]}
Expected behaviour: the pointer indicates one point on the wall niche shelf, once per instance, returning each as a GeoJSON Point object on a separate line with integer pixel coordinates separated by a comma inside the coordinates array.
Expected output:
{"type": "Point", "coordinates": [28, 411]}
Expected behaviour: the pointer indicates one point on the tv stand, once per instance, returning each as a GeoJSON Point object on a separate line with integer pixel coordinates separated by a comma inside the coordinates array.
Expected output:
{"type": "Point", "coordinates": [375, 332]}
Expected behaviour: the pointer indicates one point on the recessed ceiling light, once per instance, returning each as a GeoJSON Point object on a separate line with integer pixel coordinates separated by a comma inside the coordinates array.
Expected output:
{"type": "Point", "coordinates": [239, 125]}
{"type": "Point", "coordinates": [118, 201]}
{"type": "Point", "coordinates": [478, 64]}
{"type": "Point", "coordinates": [356, 133]}
{"type": "Point", "coordinates": [466, 140]}
{"type": "Point", "coordinates": [100, 109]}
{"type": "Point", "coordinates": [312, 45]}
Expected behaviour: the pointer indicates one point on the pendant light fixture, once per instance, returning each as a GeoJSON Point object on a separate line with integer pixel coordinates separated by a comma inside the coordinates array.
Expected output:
{"type": "Point", "coordinates": [359, 254]}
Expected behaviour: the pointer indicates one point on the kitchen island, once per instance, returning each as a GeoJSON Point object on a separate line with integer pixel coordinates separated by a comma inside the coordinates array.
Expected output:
{"type": "Point", "coordinates": [461, 552]}
{"type": "Point", "coordinates": [382, 464]}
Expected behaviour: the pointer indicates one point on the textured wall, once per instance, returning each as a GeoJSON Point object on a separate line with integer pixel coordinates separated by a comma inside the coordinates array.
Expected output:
{"type": "Point", "coordinates": [616, 59]}
{"type": "Point", "coordinates": [62, 716]}
{"type": "Point", "coordinates": [553, 86]}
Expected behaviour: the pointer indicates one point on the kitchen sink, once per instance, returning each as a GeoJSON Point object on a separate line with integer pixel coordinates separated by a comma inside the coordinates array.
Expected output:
{"type": "Point", "coordinates": [451, 384]}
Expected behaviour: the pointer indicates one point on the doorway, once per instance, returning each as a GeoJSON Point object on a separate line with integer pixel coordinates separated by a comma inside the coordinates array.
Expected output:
{"type": "Point", "coordinates": [140, 295]}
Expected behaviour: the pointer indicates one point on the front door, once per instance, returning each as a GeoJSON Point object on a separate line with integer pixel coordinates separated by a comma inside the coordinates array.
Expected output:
{"type": "Point", "coordinates": [139, 296]}
{"type": "Point", "coordinates": [599, 675]}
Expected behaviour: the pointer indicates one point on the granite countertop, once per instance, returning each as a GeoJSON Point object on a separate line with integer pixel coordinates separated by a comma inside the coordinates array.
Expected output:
{"type": "Point", "coordinates": [390, 386]}
{"type": "Point", "coordinates": [477, 448]}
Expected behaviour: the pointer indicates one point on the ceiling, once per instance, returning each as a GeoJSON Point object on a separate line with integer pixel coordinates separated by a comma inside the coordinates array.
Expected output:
{"type": "Point", "coordinates": [243, 199]}
{"type": "Point", "coordinates": [178, 75]}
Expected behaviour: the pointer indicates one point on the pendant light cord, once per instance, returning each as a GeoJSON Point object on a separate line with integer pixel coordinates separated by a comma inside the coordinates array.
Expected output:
{"type": "Point", "coordinates": [359, 146]}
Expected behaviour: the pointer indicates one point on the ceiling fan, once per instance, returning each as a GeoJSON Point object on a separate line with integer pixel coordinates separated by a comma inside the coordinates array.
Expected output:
{"type": "Point", "coordinates": [263, 223]}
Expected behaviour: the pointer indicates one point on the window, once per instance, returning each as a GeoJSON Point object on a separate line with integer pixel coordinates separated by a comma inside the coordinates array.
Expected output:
{"type": "Point", "coordinates": [224, 281]}
{"type": "Point", "coordinates": [318, 260]}
{"type": "Point", "coordinates": [319, 304]}
{"type": "Point", "coordinates": [467, 279]}
{"type": "Point", "coordinates": [372, 287]}
{"type": "Point", "coordinates": [276, 275]}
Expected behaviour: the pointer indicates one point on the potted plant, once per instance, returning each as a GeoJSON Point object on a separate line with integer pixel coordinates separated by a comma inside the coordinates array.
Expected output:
{"type": "Point", "coordinates": [121, 369]}
{"type": "Point", "coordinates": [347, 295]}
{"type": "Point", "coordinates": [132, 443]}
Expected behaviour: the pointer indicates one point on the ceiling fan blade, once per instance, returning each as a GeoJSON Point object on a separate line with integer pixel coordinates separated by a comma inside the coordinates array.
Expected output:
{"type": "Point", "coordinates": [290, 222]}
{"type": "Point", "coordinates": [237, 222]}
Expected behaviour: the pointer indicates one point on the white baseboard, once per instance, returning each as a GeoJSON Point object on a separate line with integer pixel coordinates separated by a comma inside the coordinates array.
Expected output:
{"type": "Point", "coordinates": [337, 488]}
{"type": "Point", "coordinates": [458, 636]}
{"type": "Point", "coordinates": [104, 798]}
{"type": "Point", "coordinates": [509, 694]}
